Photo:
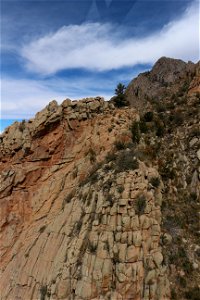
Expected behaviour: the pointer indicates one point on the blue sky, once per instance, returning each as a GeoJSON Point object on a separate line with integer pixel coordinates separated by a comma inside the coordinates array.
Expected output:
{"type": "Point", "coordinates": [74, 49]}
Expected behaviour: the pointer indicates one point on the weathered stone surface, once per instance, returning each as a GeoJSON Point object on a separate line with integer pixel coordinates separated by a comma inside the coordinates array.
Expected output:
{"type": "Point", "coordinates": [73, 233]}
{"type": "Point", "coordinates": [148, 85]}
{"type": "Point", "coordinates": [81, 248]}
{"type": "Point", "coordinates": [158, 258]}
{"type": "Point", "coordinates": [19, 135]}
{"type": "Point", "coordinates": [193, 141]}
{"type": "Point", "coordinates": [66, 103]}
{"type": "Point", "coordinates": [198, 154]}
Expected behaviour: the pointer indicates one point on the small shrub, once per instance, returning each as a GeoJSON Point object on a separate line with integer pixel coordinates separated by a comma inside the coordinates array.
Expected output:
{"type": "Point", "coordinates": [107, 185]}
{"type": "Point", "coordinates": [160, 107]}
{"type": "Point", "coordinates": [187, 266]}
{"type": "Point", "coordinates": [170, 223]}
{"type": "Point", "coordinates": [174, 97]}
{"type": "Point", "coordinates": [75, 173]}
{"type": "Point", "coordinates": [166, 171]}
{"type": "Point", "coordinates": [115, 258]}
{"type": "Point", "coordinates": [178, 255]}
{"type": "Point", "coordinates": [171, 105]}
{"type": "Point", "coordinates": [109, 198]}
{"type": "Point", "coordinates": [42, 229]}
{"type": "Point", "coordinates": [178, 118]}
{"type": "Point", "coordinates": [126, 161]}
{"type": "Point", "coordinates": [111, 156]}
{"type": "Point", "coordinates": [93, 177]}
{"type": "Point", "coordinates": [92, 248]}
{"type": "Point", "coordinates": [135, 132]}
{"type": "Point", "coordinates": [78, 226]}
{"type": "Point", "coordinates": [143, 126]}
{"type": "Point", "coordinates": [164, 205]}
{"type": "Point", "coordinates": [110, 129]}
{"type": "Point", "coordinates": [193, 293]}
{"type": "Point", "coordinates": [140, 205]}
{"type": "Point", "coordinates": [159, 127]}
{"type": "Point", "coordinates": [22, 126]}
{"type": "Point", "coordinates": [69, 197]}
{"type": "Point", "coordinates": [184, 88]}
{"type": "Point", "coordinates": [89, 198]}
{"type": "Point", "coordinates": [96, 198]}
{"type": "Point", "coordinates": [182, 253]}
{"type": "Point", "coordinates": [120, 189]}
{"type": "Point", "coordinates": [195, 132]}
{"type": "Point", "coordinates": [148, 116]}
{"type": "Point", "coordinates": [84, 197]}
{"type": "Point", "coordinates": [173, 295]}
{"type": "Point", "coordinates": [119, 145]}
{"type": "Point", "coordinates": [108, 167]}
{"type": "Point", "coordinates": [182, 282]}
{"type": "Point", "coordinates": [198, 95]}
{"type": "Point", "coordinates": [193, 196]}
{"type": "Point", "coordinates": [147, 153]}
{"type": "Point", "coordinates": [155, 181]}
{"type": "Point", "coordinates": [106, 246]}
{"type": "Point", "coordinates": [198, 252]}
{"type": "Point", "coordinates": [43, 292]}
{"type": "Point", "coordinates": [160, 131]}
{"type": "Point", "coordinates": [99, 217]}
{"type": "Point", "coordinates": [92, 155]}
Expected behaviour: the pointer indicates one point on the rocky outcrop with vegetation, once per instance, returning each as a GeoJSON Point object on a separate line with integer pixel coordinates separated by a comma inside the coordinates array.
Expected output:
{"type": "Point", "coordinates": [168, 78]}
{"type": "Point", "coordinates": [168, 137]}
{"type": "Point", "coordinates": [101, 202]}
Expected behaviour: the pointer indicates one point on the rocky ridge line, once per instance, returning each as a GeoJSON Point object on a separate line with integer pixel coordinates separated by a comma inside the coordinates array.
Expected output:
{"type": "Point", "coordinates": [20, 134]}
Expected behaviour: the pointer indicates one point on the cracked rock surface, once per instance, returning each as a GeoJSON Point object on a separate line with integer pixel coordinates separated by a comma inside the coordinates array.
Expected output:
{"type": "Point", "coordinates": [66, 234]}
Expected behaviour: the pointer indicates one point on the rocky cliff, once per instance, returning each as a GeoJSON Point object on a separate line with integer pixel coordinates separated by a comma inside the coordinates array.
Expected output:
{"type": "Point", "coordinates": [167, 77]}
{"type": "Point", "coordinates": [168, 100]}
{"type": "Point", "coordinates": [99, 202]}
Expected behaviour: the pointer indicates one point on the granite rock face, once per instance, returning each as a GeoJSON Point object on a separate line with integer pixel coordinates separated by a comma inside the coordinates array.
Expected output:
{"type": "Point", "coordinates": [68, 232]}
{"type": "Point", "coordinates": [89, 212]}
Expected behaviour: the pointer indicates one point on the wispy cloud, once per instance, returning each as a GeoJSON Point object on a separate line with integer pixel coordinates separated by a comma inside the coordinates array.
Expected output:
{"type": "Point", "coordinates": [22, 98]}
{"type": "Point", "coordinates": [101, 47]}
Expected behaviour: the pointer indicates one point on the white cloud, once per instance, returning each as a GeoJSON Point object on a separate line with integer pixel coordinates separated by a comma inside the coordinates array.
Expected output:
{"type": "Point", "coordinates": [101, 46]}
{"type": "Point", "coordinates": [22, 98]}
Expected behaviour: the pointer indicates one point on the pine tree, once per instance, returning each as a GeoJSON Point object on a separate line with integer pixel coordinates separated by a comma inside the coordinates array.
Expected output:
{"type": "Point", "coordinates": [120, 98]}
{"type": "Point", "coordinates": [120, 89]}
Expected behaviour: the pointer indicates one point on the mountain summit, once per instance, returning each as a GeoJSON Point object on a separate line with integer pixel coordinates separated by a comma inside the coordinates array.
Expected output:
{"type": "Point", "coordinates": [167, 77]}
{"type": "Point", "coordinates": [99, 202]}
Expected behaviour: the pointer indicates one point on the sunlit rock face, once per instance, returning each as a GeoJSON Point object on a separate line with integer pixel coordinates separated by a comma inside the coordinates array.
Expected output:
{"type": "Point", "coordinates": [90, 212]}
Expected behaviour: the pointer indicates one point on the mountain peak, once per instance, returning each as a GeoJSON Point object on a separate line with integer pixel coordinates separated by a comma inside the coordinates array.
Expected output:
{"type": "Point", "coordinates": [166, 78]}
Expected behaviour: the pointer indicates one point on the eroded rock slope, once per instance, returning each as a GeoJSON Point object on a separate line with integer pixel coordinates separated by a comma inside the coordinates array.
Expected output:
{"type": "Point", "coordinates": [75, 224]}
{"type": "Point", "coordinates": [99, 202]}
